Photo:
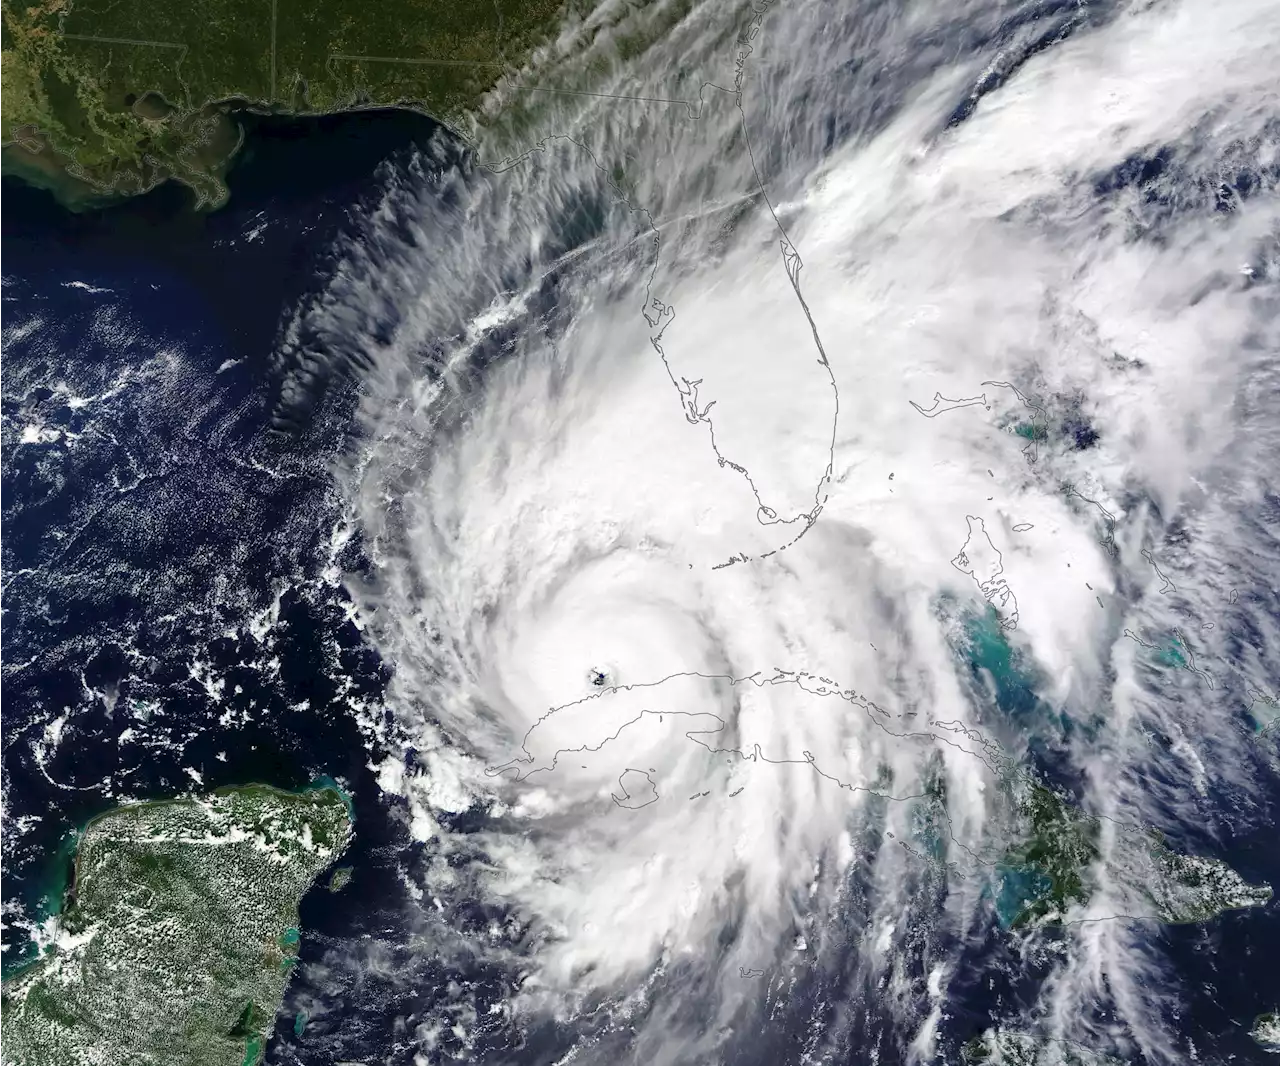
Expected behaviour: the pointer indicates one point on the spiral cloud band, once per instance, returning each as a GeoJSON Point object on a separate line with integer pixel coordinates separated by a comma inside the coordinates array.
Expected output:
{"type": "Point", "coordinates": [730, 442]}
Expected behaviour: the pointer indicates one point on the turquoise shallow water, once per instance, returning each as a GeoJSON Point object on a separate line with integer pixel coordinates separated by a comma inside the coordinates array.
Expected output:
{"type": "Point", "coordinates": [1017, 888]}
{"type": "Point", "coordinates": [217, 285]}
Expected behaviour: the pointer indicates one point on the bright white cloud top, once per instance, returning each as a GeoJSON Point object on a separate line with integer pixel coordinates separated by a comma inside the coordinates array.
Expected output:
{"type": "Point", "coordinates": [764, 492]}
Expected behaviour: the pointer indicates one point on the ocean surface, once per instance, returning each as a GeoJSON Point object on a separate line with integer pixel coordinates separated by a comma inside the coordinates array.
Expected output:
{"type": "Point", "coordinates": [176, 618]}
{"type": "Point", "coordinates": [151, 507]}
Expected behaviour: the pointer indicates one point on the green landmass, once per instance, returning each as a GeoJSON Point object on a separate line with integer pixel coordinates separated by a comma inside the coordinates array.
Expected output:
{"type": "Point", "coordinates": [181, 928]}
{"type": "Point", "coordinates": [1051, 869]}
{"type": "Point", "coordinates": [1006, 1047]}
{"type": "Point", "coordinates": [340, 879]}
{"type": "Point", "coordinates": [105, 98]}
{"type": "Point", "coordinates": [1047, 873]}
{"type": "Point", "coordinates": [1266, 1032]}
{"type": "Point", "coordinates": [1186, 888]}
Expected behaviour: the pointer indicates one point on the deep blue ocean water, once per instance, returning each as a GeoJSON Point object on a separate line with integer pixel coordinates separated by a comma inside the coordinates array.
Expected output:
{"type": "Point", "coordinates": [166, 506]}
{"type": "Point", "coordinates": [170, 505]}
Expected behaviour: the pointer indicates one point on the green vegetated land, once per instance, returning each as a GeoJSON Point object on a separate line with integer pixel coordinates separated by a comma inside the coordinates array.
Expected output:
{"type": "Point", "coordinates": [179, 934]}
{"type": "Point", "coordinates": [1266, 1031]}
{"type": "Point", "coordinates": [1052, 869]}
{"type": "Point", "coordinates": [109, 97]}
{"type": "Point", "coordinates": [1005, 1047]}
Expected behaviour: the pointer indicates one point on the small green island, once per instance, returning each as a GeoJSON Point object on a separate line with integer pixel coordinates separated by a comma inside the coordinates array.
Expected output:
{"type": "Point", "coordinates": [179, 932]}
{"type": "Point", "coordinates": [1266, 1032]}
{"type": "Point", "coordinates": [108, 98]}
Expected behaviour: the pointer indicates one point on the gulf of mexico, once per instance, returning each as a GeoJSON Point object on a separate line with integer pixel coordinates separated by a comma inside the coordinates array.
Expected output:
{"type": "Point", "coordinates": [142, 490]}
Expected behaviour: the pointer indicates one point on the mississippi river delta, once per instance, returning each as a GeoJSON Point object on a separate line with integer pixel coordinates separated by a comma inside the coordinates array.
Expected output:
{"type": "Point", "coordinates": [108, 98]}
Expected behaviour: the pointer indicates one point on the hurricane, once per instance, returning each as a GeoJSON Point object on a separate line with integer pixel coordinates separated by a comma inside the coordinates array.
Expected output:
{"type": "Point", "coordinates": [816, 465]}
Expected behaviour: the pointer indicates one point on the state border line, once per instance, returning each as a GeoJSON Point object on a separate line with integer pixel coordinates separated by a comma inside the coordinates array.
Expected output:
{"type": "Point", "coordinates": [183, 48]}
{"type": "Point", "coordinates": [274, 6]}
{"type": "Point", "coordinates": [425, 62]}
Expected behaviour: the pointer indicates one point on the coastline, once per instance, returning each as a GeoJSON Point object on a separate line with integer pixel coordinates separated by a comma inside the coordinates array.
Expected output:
{"type": "Point", "coordinates": [218, 282]}
{"type": "Point", "coordinates": [210, 187]}
{"type": "Point", "coordinates": [61, 871]}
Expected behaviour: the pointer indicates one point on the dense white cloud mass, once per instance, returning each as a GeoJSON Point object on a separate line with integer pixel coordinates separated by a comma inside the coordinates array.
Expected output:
{"type": "Point", "coordinates": [699, 439]}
